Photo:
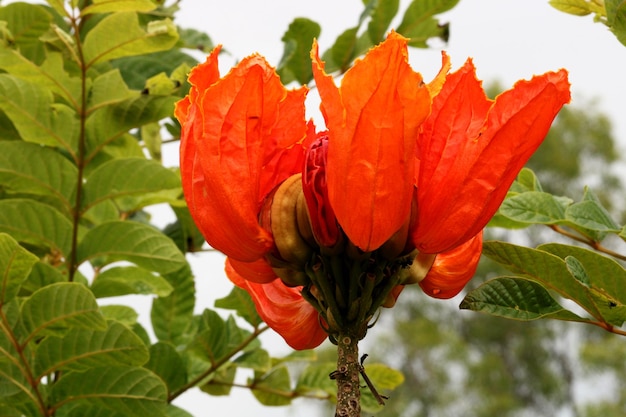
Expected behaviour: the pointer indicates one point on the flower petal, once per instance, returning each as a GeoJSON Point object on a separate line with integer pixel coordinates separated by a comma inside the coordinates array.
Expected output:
{"type": "Point", "coordinates": [241, 137]}
{"type": "Point", "coordinates": [284, 310]}
{"type": "Point", "coordinates": [373, 121]}
{"type": "Point", "coordinates": [471, 149]}
{"type": "Point", "coordinates": [452, 270]}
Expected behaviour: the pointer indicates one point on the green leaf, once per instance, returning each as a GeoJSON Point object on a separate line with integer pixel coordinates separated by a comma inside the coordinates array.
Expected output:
{"type": "Point", "coordinates": [30, 108]}
{"type": "Point", "coordinates": [184, 231]}
{"type": "Point", "coordinates": [212, 341]}
{"type": "Point", "coordinates": [382, 15]}
{"type": "Point", "coordinates": [240, 301]}
{"type": "Point", "coordinates": [130, 241]}
{"type": "Point", "coordinates": [419, 25]}
{"type": "Point", "coordinates": [125, 280]}
{"type": "Point", "coordinates": [194, 39]}
{"type": "Point", "coordinates": [526, 181]}
{"type": "Point", "coordinates": [82, 349]}
{"type": "Point", "coordinates": [132, 183]}
{"type": "Point", "coordinates": [15, 266]}
{"type": "Point", "coordinates": [590, 214]}
{"type": "Point", "coordinates": [616, 18]}
{"type": "Point", "coordinates": [173, 411]}
{"type": "Point", "coordinates": [121, 313]}
{"type": "Point", "coordinates": [221, 382]}
{"type": "Point", "coordinates": [605, 276]}
{"type": "Point", "coordinates": [257, 359]}
{"type": "Point", "coordinates": [56, 308]}
{"type": "Point", "coordinates": [112, 122]}
{"type": "Point", "coordinates": [268, 386]}
{"type": "Point", "coordinates": [51, 74]}
{"type": "Point", "coordinates": [534, 207]}
{"type": "Point", "coordinates": [26, 168]}
{"type": "Point", "coordinates": [577, 270]}
{"type": "Point", "coordinates": [314, 380]}
{"type": "Point", "coordinates": [575, 7]}
{"type": "Point", "coordinates": [342, 53]}
{"type": "Point", "coordinates": [36, 224]}
{"type": "Point", "coordinates": [27, 22]}
{"type": "Point", "coordinates": [106, 42]}
{"type": "Point", "coordinates": [137, 69]}
{"type": "Point", "coordinates": [295, 65]}
{"type": "Point", "coordinates": [167, 363]}
{"type": "Point", "coordinates": [128, 390]}
{"type": "Point", "coordinates": [171, 316]}
{"type": "Point", "coordinates": [383, 379]}
{"type": "Point", "coordinates": [107, 6]}
{"type": "Point", "coordinates": [107, 89]}
{"type": "Point", "coordinates": [516, 298]}
{"type": "Point", "coordinates": [545, 268]}
{"type": "Point", "coordinates": [41, 275]}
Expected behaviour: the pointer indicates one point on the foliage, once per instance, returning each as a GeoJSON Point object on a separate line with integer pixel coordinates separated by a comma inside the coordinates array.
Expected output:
{"type": "Point", "coordinates": [83, 110]}
{"type": "Point", "coordinates": [610, 12]}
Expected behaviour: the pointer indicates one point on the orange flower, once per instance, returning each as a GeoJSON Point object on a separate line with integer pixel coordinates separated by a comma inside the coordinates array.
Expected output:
{"type": "Point", "coordinates": [470, 149]}
{"type": "Point", "coordinates": [388, 176]}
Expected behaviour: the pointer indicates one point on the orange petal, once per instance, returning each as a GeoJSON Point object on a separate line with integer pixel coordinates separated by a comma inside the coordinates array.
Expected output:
{"type": "Point", "coordinates": [373, 121]}
{"type": "Point", "coordinates": [452, 270]}
{"type": "Point", "coordinates": [258, 271]}
{"type": "Point", "coordinates": [241, 137]}
{"type": "Point", "coordinates": [434, 87]}
{"type": "Point", "coordinates": [471, 149]}
{"type": "Point", "coordinates": [284, 310]}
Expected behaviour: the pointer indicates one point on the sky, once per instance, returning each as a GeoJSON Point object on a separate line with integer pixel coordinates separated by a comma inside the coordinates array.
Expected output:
{"type": "Point", "coordinates": [507, 39]}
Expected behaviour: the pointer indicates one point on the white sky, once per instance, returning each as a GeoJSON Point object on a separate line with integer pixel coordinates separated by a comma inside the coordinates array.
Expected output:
{"type": "Point", "coordinates": [508, 39]}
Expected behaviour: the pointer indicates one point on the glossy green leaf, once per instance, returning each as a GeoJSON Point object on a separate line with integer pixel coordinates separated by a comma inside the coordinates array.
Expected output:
{"type": "Point", "coordinates": [107, 6]}
{"type": "Point", "coordinates": [15, 266]}
{"type": "Point", "coordinates": [50, 74]}
{"type": "Point", "coordinates": [184, 231]}
{"type": "Point", "coordinates": [125, 280]}
{"type": "Point", "coordinates": [152, 139]}
{"type": "Point", "coordinates": [133, 242]}
{"type": "Point", "coordinates": [211, 342]}
{"type": "Point", "coordinates": [543, 267]}
{"type": "Point", "coordinates": [534, 207]}
{"type": "Point", "coordinates": [516, 298]}
{"type": "Point", "coordinates": [267, 387]}
{"type": "Point", "coordinates": [107, 89]}
{"type": "Point", "coordinates": [36, 224]}
{"type": "Point", "coordinates": [591, 214]}
{"type": "Point", "coordinates": [221, 381]}
{"type": "Point", "coordinates": [56, 308]}
{"type": "Point", "coordinates": [381, 17]}
{"type": "Point", "coordinates": [173, 411]}
{"type": "Point", "coordinates": [419, 25]}
{"type": "Point", "coordinates": [132, 183]}
{"type": "Point", "coordinates": [82, 349]}
{"type": "Point", "coordinates": [30, 108]}
{"type": "Point", "coordinates": [128, 390]}
{"type": "Point", "coordinates": [106, 42]}
{"type": "Point", "coordinates": [26, 168]}
{"type": "Point", "coordinates": [577, 270]}
{"type": "Point", "coordinates": [171, 316]}
{"type": "Point", "coordinates": [575, 7]}
{"type": "Point", "coordinates": [167, 363]}
{"type": "Point", "coordinates": [82, 409]}
{"type": "Point", "coordinates": [295, 65]}
{"type": "Point", "coordinates": [27, 22]}
{"type": "Point", "coordinates": [111, 122]}
{"type": "Point", "coordinates": [240, 301]}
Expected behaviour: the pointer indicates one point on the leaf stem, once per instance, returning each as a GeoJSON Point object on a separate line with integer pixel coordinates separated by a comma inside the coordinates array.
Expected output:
{"type": "Point", "coordinates": [256, 333]}
{"type": "Point", "coordinates": [590, 242]}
